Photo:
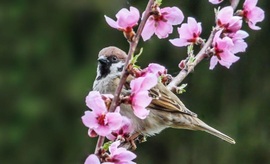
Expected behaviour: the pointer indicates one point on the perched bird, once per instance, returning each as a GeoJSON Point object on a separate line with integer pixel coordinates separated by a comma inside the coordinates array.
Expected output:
{"type": "Point", "coordinates": [166, 109]}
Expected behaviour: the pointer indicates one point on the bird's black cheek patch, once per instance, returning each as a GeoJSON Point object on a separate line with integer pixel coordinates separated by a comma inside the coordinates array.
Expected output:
{"type": "Point", "coordinates": [104, 71]}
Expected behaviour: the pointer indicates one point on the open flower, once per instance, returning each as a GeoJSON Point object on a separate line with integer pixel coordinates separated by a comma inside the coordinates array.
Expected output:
{"type": "Point", "coordinates": [189, 33]}
{"type": "Point", "coordinates": [123, 132]}
{"type": "Point", "coordinates": [215, 1]}
{"type": "Point", "coordinates": [222, 51]}
{"type": "Point", "coordinates": [119, 155]}
{"type": "Point", "coordinates": [161, 22]}
{"type": "Point", "coordinates": [252, 14]}
{"type": "Point", "coordinates": [126, 19]}
{"type": "Point", "coordinates": [139, 94]}
{"type": "Point", "coordinates": [227, 21]}
{"type": "Point", "coordinates": [99, 119]}
{"type": "Point", "coordinates": [155, 69]}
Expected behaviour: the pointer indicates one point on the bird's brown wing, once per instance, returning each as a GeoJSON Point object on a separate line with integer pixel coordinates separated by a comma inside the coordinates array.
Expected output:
{"type": "Point", "coordinates": [164, 99]}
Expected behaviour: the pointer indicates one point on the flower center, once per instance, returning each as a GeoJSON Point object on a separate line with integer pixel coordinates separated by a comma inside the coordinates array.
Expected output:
{"type": "Point", "coordinates": [101, 119]}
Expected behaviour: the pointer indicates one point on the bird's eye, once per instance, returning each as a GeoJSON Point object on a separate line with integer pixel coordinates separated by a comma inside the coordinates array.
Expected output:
{"type": "Point", "coordinates": [114, 58]}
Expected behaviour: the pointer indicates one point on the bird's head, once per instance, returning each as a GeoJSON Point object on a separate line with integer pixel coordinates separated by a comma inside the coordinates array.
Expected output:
{"type": "Point", "coordinates": [111, 60]}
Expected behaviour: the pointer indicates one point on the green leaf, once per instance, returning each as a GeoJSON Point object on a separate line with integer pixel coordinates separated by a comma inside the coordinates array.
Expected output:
{"type": "Point", "coordinates": [135, 58]}
{"type": "Point", "coordinates": [107, 145]}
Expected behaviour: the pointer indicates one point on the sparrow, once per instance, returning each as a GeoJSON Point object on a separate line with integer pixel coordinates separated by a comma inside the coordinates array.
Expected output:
{"type": "Point", "coordinates": [166, 109]}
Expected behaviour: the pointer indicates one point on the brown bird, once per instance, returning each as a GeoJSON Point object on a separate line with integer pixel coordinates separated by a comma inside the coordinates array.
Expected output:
{"type": "Point", "coordinates": [166, 109]}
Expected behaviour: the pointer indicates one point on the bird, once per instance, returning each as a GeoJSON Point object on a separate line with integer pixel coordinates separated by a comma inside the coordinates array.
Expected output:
{"type": "Point", "coordinates": [166, 109]}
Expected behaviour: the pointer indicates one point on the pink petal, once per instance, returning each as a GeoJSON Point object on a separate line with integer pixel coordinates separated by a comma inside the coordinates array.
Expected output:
{"type": "Point", "coordinates": [149, 81]}
{"type": "Point", "coordinates": [141, 112]}
{"type": "Point", "coordinates": [135, 84]}
{"type": "Point", "coordinates": [194, 27]}
{"type": "Point", "coordinates": [149, 29]}
{"type": "Point", "coordinates": [229, 57]}
{"type": "Point", "coordinates": [141, 99]}
{"type": "Point", "coordinates": [239, 46]}
{"type": "Point", "coordinates": [111, 22]}
{"type": "Point", "coordinates": [122, 13]}
{"type": "Point", "coordinates": [179, 42]}
{"type": "Point", "coordinates": [225, 43]}
{"type": "Point", "coordinates": [92, 159]}
{"type": "Point", "coordinates": [249, 4]}
{"type": "Point", "coordinates": [213, 62]}
{"type": "Point", "coordinates": [185, 32]}
{"type": "Point", "coordinates": [163, 29]}
{"type": "Point", "coordinates": [103, 130]}
{"type": "Point", "coordinates": [114, 120]}
{"type": "Point", "coordinates": [124, 155]}
{"type": "Point", "coordinates": [114, 147]}
{"type": "Point", "coordinates": [89, 119]}
{"type": "Point", "coordinates": [225, 14]}
{"type": "Point", "coordinates": [215, 1]}
{"type": "Point", "coordinates": [173, 15]}
{"type": "Point", "coordinates": [95, 102]}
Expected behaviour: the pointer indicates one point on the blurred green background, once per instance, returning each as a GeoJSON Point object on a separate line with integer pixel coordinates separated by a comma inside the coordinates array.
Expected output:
{"type": "Point", "coordinates": [48, 52]}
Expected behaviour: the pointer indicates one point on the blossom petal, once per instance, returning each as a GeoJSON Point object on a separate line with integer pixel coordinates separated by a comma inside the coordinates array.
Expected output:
{"type": "Point", "coordinates": [89, 119]}
{"type": "Point", "coordinates": [149, 29]}
{"type": "Point", "coordinates": [92, 159]}
{"type": "Point", "coordinates": [111, 22]}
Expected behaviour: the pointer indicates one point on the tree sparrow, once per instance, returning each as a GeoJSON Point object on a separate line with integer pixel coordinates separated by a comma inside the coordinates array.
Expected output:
{"type": "Point", "coordinates": [166, 109]}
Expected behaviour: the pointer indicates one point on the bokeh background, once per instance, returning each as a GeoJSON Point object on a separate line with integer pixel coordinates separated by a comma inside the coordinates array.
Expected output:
{"type": "Point", "coordinates": [48, 52]}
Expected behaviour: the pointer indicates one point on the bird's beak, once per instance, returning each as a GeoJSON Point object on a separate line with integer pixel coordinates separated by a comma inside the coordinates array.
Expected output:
{"type": "Point", "coordinates": [103, 60]}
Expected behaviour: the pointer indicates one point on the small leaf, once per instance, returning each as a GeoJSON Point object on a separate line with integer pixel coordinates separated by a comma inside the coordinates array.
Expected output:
{"type": "Point", "coordinates": [181, 89]}
{"type": "Point", "coordinates": [107, 145]}
{"type": "Point", "coordinates": [135, 58]}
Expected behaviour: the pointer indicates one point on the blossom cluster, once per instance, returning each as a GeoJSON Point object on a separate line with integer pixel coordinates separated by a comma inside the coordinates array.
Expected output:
{"type": "Point", "coordinates": [228, 39]}
{"type": "Point", "coordinates": [114, 126]}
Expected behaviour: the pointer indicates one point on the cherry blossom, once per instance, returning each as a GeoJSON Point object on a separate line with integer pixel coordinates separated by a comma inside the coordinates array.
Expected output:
{"type": "Point", "coordinates": [155, 69]}
{"type": "Point", "coordinates": [252, 14]}
{"type": "Point", "coordinates": [215, 1]}
{"type": "Point", "coordinates": [126, 19]}
{"type": "Point", "coordinates": [123, 132]}
{"type": "Point", "coordinates": [222, 51]}
{"type": "Point", "coordinates": [99, 119]}
{"type": "Point", "coordinates": [189, 33]}
{"type": "Point", "coordinates": [239, 45]}
{"type": "Point", "coordinates": [161, 22]}
{"type": "Point", "coordinates": [227, 21]}
{"type": "Point", "coordinates": [139, 94]}
{"type": "Point", "coordinates": [119, 155]}
{"type": "Point", "coordinates": [92, 159]}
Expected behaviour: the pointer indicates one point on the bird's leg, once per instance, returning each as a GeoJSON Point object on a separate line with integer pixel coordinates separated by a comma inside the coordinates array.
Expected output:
{"type": "Point", "coordinates": [132, 139]}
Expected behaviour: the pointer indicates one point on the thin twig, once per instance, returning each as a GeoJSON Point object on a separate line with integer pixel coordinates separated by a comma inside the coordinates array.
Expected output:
{"type": "Point", "coordinates": [198, 58]}
{"type": "Point", "coordinates": [132, 47]}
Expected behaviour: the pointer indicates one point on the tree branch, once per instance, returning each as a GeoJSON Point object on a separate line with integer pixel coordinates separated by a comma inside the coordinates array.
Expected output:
{"type": "Point", "coordinates": [198, 58]}
{"type": "Point", "coordinates": [132, 47]}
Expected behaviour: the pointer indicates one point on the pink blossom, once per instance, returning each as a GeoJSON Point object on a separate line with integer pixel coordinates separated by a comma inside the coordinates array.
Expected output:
{"type": "Point", "coordinates": [139, 94]}
{"type": "Point", "coordinates": [189, 33]}
{"type": "Point", "coordinates": [239, 45]}
{"type": "Point", "coordinates": [227, 21]}
{"type": "Point", "coordinates": [119, 155]}
{"type": "Point", "coordinates": [215, 1]}
{"type": "Point", "coordinates": [99, 119]}
{"type": "Point", "coordinates": [252, 14]}
{"type": "Point", "coordinates": [155, 69]}
{"type": "Point", "coordinates": [92, 159]}
{"type": "Point", "coordinates": [161, 22]}
{"type": "Point", "coordinates": [123, 132]}
{"type": "Point", "coordinates": [126, 19]}
{"type": "Point", "coordinates": [222, 51]}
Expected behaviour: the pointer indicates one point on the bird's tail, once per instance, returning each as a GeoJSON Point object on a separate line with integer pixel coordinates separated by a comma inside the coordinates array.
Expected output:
{"type": "Point", "coordinates": [200, 125]}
